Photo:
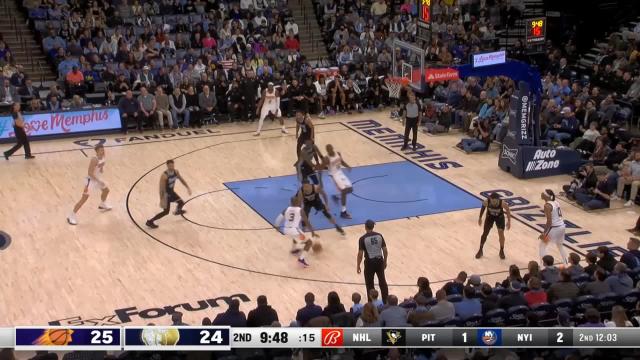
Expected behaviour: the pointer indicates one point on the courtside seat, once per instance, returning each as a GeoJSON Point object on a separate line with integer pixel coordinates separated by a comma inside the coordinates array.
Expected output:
{"type": "Point", "coordinates": [630, 299]}
{"type": "Point", "coordinates": [607, 301]}
{"type": "Point", "coordinates": [517, 315]}
{"type": "Point", "coordinates": [455, 322]}
{"type": "Point", "coordinates": [544, 311]}
{"type": "Point", "coordinates": [432, 323]}
{"type": "Point", "coordinates": [499, 291]}
{"type": "Point", "coordinates": [473, 321]}
{"type": "Point", "coordinates": [582, 279]}
{"type": "Point", "coordinates": [564, 305]}
{"type": "Point", "coordinates": [495, 318]}
{"type": "Point", "coordinates": [585, 302]}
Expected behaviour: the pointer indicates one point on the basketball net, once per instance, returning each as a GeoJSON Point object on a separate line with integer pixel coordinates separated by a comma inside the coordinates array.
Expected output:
{"type": "Point", "coordinates": [395, 84]}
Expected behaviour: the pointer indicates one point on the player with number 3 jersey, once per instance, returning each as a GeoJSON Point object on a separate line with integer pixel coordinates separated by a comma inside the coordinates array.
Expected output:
{"type": "Point", "coordinates": [292, 217]}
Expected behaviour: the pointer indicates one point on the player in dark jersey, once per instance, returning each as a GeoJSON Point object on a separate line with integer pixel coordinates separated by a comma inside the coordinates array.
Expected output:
{"type": "Point", "coordinates": [309, 161]}
{"type": "Point", "coordinates": [496, 208]}
{"type": "Point", "coordinates": [304, 129]}
{"type": "Point", "coordinates": [313, 196]}
{"type": "Point", "coordinates": [168, 194]}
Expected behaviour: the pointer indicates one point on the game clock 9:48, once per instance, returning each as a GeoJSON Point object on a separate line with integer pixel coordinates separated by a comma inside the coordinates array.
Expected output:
{"type": "Point", "coordinates": [278, 337]}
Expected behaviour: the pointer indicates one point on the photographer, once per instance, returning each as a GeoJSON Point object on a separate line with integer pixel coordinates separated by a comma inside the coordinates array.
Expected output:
{"type": "Point", "coordinates": [600, 196]}
{"type": "Point", "coordinates": [585, 181]}
{"type": "Point", "coordinates": [481, 138]}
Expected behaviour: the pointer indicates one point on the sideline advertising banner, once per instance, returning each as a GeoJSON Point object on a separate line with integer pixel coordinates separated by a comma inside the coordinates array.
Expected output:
{"type": "Point", "coordinates": [63, 123]}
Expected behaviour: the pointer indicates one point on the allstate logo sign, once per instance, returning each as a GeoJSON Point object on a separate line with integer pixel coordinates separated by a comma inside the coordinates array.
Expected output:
{"type": "Point", "coordinates": [510, 154]}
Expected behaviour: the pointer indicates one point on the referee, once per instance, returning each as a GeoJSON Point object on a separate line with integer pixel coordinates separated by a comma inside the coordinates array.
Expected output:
{"type": "Point", "coordinates": [372, 246]}
{"type": "Point", "coordinates": [412, 121]}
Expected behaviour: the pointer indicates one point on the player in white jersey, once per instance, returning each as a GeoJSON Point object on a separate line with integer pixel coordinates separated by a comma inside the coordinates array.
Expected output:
{"type": "Point", "coordinates": [270, 104]}
{"type": "Point", "coordinates": [554, 228]}
{"type": "Point", "coordinates": [334, 164]}
{"type": "Point", "coordinates": [93, 181]}
{"type": "Point", "coordinates": [292, 217]}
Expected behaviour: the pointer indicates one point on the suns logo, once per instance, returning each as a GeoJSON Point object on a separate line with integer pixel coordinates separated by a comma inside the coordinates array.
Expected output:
{"type": "Point", "coordinates": [54, 337]}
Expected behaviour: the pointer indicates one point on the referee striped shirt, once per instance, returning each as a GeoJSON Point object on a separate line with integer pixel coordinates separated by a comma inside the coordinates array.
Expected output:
{"type": "Point", "coordinates": [372, 244]}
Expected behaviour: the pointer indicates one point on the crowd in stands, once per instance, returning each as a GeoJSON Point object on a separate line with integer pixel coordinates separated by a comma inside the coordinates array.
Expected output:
{"type": "Point", "coordinates": [234, 48]}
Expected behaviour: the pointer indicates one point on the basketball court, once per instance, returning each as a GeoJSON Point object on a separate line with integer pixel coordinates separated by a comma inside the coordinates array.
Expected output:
{"type": "Point", "coordinates": [112, 269]}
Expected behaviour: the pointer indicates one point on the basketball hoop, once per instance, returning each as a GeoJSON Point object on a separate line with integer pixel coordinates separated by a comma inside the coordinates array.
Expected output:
{"type": "Point", "coordinates": [395, 85]}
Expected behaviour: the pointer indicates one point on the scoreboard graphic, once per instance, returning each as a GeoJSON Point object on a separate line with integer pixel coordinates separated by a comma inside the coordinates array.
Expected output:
{"type": "Point", "coordinates": [424, 13]}
{"type": "Point", "coordinates": [221, 338]}
{"type": "Point", "coordinates": [536, 30]}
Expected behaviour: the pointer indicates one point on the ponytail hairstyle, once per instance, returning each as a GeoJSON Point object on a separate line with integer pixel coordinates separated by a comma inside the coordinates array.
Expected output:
{"type": "Point", "coordinates": [550, 193]}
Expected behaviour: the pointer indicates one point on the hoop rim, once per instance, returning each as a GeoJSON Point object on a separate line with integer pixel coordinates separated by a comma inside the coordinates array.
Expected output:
{"type": "Point", "coordinates": [403, 80]}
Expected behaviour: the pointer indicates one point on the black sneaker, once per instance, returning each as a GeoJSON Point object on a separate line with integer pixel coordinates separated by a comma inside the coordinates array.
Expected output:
{"type": "Point", "coordinates": [345, 215]}
{"type": "Point", "coordinates": [151, 224]}
{"type": "Point", "coordinates": [502, 254]}
{"type": "Point", "coordinates": [340, 230]}
{"type": "Point", "coordinates": [6, 157]}
{"type": "Point", "coordinates": [29, 157]}
{"type": "Point", "coordinates": [403, 148]}
{"type": "Point", "coordinates": [179, 212]}
{"type": "Point", "coordinates": [479, 254]}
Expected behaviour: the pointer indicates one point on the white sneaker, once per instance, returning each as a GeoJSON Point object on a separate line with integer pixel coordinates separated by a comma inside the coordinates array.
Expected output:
{"type": "Point", "coordinates": [628, 203]}
{"type": "Point", "coordinates": [284, 131]}
{"type": "Point", "coordinates": [71, 219]}
{"type": "Point", "coordinates": [104, 206]}
{"type": "Point", "coordinates": [256, 134]}
{"type": "Point", "coordinates": [321, 116]}
{"type": "Point", "coordinates": [614, 197]}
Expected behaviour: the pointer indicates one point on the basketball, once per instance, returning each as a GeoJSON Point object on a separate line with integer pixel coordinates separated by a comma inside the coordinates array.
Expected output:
{"type": "Point", "coordinates": [60, 336]}
{"type": "Point", "coordinates": [317, 247]}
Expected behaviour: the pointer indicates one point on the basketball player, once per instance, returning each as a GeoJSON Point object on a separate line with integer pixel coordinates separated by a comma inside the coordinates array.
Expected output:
{"type": "Point", "coordinates": [310, 195]}
{"type": "Point", "coordinates": [334, 163]}
{"type": "Point", "coordinates": [305, 166]}
{"type": "Point", "coordinates": [292, 216]}
{"type": "Point", "coordinates": [304, 129]}
{"type": "Point", "coordinates": [269, 105]}
{"type": "Point", "coordinates": [495, 214]}
{"type": "Point", "coordinates": [168, 194]}
{"type": "Point", "coordinates": [554, 228]}
{"type": "Point", "coordinates": [93, 180]}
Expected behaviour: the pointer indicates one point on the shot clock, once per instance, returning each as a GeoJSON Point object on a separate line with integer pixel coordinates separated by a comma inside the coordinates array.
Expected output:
{"type": "Point", "coordinates": [424, 13]}
{"type": "Point", "coordinates": [536, 30]}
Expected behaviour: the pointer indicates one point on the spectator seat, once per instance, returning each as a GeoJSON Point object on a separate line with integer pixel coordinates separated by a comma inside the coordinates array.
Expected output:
{"type": "Point", "coordinates": [630, 299]}
{"type": "Point", "coordinates": [582, 303]}
{"type": "Point", "coordinates": [563, 305]}
{"type": "Point", "coordinates": [607, 301]}
{"type": "Point", "coordinates": [495, 318]}
{"type": "Point", "coordinates": [473, 321]}
{"type": "Point", "coordinates": [517, 315]}
{"type": "Point", "coordinates": [454, 298]}
{"type": "Point", "coordinates": [455, 322]}
{"type": "Point", "coordinates": [544, 310]}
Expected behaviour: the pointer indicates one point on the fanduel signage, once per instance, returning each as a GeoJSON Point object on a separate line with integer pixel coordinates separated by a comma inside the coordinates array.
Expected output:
{"type": "Point", "coordinates": [492, 58]}
{"type": "Point", "coordinates": [64, 122]}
